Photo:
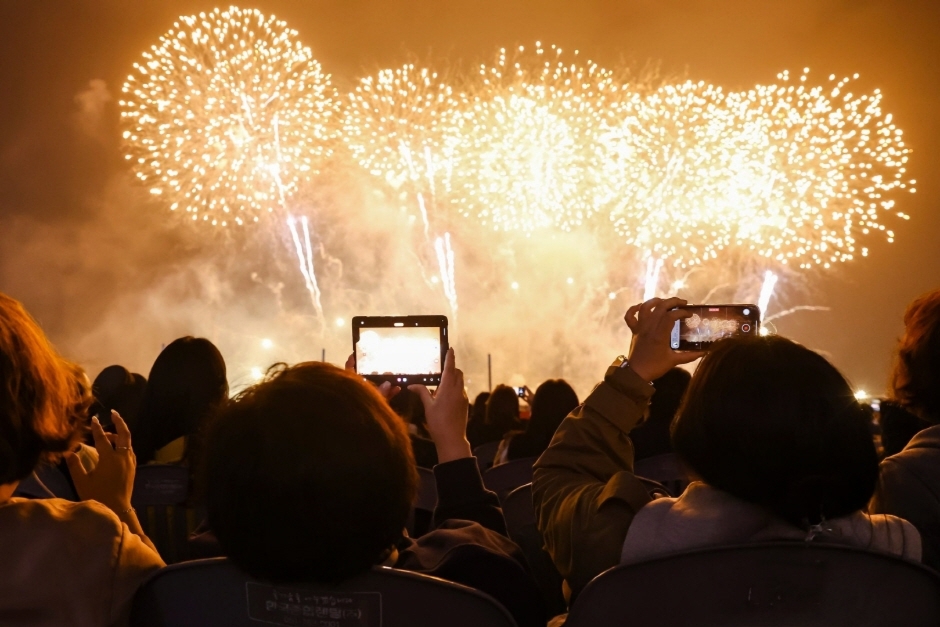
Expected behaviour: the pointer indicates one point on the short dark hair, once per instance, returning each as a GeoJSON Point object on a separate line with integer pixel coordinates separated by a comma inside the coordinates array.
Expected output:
{"type": "Point", "coordinates": [774, 423]}
{"type": "Point", "coordinates": [44, 399]}
{"type": "Point", "coordinates": [915, 382]}
{"type": "Point", "coordinates": [309, 475]}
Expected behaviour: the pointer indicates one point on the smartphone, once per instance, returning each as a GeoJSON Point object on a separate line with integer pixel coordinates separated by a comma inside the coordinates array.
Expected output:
{"type": "Point", "coordinates": [520, 392]}
{"type": "Point", "coordinates": [710, 323]}
{"type": "Point", "coordinates": [400, 349]}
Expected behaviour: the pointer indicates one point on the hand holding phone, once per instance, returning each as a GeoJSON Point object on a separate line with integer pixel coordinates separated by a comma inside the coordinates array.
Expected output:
{"type": "Point", "coordinates": [651, 323]}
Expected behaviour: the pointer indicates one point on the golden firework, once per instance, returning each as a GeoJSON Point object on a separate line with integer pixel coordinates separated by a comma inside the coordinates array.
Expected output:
{"type": "Point", "coordinates": [527, 156]}
{"type": "Point", "coordinates": [227, 115]}
{"type": "Point", "coordinates": [784, 172]}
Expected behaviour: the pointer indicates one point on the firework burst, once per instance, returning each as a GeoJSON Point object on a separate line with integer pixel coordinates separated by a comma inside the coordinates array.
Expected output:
{"type": "Point", "coordinates": [790, 174]}
{"type": "Point", "coordinates": [227, 115]}
{"type": "Point", "coordinates": [527, 158]}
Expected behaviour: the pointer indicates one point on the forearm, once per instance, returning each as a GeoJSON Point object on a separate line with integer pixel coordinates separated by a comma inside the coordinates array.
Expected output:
{"type": "Point", "coordinates": [461, 496]}
{"type": "Point", "coordinates": [584, 490]}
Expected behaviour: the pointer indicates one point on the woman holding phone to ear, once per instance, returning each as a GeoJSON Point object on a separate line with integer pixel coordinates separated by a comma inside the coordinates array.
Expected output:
{"type": "Point", "coordinates": [773, 431]}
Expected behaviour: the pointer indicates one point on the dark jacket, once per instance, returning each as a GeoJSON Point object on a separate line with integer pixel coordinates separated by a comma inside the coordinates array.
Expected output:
{"type": "Point", "coordinates": [583, 488]}
{"type": "Point", "coordinates": [909, 487]}
{"type": "Point", "coordinates": [469, 544]}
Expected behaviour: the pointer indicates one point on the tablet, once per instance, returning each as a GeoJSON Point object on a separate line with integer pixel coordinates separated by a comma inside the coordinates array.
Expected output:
{"type": "Point", "coordinates": [400, 349]}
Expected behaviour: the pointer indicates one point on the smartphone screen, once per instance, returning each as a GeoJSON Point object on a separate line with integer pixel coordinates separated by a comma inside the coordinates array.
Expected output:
{"type": "Point", "coordinates": [710, 323]}
{"type": "Point", "coordinates": [400, 349]}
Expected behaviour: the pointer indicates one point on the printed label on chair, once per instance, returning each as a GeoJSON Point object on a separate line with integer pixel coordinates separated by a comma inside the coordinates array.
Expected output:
{"type": "Point", "coordinates": [281, 605]}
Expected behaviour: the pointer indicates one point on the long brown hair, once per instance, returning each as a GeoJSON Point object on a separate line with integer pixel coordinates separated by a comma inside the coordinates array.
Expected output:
{"type": "Point", "coordinates": [43, 398]}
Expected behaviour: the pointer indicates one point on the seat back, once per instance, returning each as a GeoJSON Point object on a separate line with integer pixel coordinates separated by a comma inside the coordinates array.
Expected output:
{"type": "Point", "coordinates": [664, 469]}
{"type": "Point", "coordinates": [160, 496]}
{"type": "Point", "coordinates": [213, 593]}
{"type": "Point", "coordinates": [485, 454]}
{"type": "Point", "coordinates": [777, 584]}
{"type": "Point", "coordinates": [521, 525]}
{"type": "Point", "coordinates": [506, 477]}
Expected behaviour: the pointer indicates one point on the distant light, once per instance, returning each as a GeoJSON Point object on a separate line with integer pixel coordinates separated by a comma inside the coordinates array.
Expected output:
{"type": "Point", "coordinates": [612, 295]}
{"type": "Point", "coordinates": [257, 373]}
{"type": "Point", "coordinates": [861, 395]}
{"type": "Point", "coordinates": [764, 331]}
{"type": "Point", "coordinates": [340, 322]}
{"type": "Point", "coordinates": [434, 279]}
{"type": "Point", "coordinates": [266, 343]}
{"type": "Point", "coordinates": [570, 280]}
{"type": "Point", "coordinates": [514, 285]}
{"type": "Point", "coordinates": [678, 285]}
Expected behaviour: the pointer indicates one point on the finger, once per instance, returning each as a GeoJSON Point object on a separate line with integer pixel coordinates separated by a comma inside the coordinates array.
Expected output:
{"type": "Point", "coordinates": [101, 438]}
{"type": "Point", "coordinates": [671, 303]}
{"type": "Point", "coordinates": [76, 469]}
{"type": "Point", "coordinates": [449, 367]}
{"type": "Point", "coordinates": [424, 394]}
{"type": "Point", "coordinates": [684, 357]}
{"type": "Point", "coordinates": [122, 431]}
{"type": "Point", "coordinates": [351, 362]}
{"type": "Point", "coordinates": [630, 317]}
{"type": "Point", "coordinates": [678, 314]}
{"type": "Point", "coordinates": [458, 378]}
{"type": "Point", "coordinates": [648, 306]}
{"type": "Point", "coordinates": [393, 392]}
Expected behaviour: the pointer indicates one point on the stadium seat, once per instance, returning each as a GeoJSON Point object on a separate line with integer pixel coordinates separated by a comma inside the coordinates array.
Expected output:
{"type": "Point", "coordinates": [161, 492]}
{"type": "Point", "coordinates": [776, 584]}
{"type": "Point", "coordinates": [485, 454]}
{"type": "Point", "coordinates": [521, 525]}
{"type": "Point", "coordinates": [506, 477]}
{"type": "Point", "coordinates": [664, 469]}
{"type": "Point", "coordinates": [213, 593]}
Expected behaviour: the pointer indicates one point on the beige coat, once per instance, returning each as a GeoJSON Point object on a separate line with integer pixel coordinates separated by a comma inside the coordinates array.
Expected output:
{"type": "Point", "coordinates": [66, 564]}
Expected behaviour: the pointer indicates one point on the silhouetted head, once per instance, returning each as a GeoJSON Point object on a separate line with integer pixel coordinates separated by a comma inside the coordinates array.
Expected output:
{"type": "Point", "coordinates": [553, 400]}
{"type": "Point", "coordinates": [774, 423]}
{"type": "Point", "coordinates": [309, 475]}
{"type": "Point", "coordinates": [121, 390]}
{"type": "Point", "coordinates": [186, 384]}
{"type": "Point", "coordinates": [43, 399]}
{"type": "Point", "coordinates": [915, 382]}
{"type": "Point", "coordinates": [502, 410]}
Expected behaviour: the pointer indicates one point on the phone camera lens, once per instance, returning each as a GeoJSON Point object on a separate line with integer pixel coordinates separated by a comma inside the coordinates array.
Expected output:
{"type": "Point", "coordinates": [746, 328]}
{"type": "Point", "coordinates": [746, 312]}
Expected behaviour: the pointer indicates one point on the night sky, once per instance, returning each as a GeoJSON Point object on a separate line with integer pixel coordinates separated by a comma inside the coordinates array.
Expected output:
{"type": "Point", "coordinates": [75, 232]}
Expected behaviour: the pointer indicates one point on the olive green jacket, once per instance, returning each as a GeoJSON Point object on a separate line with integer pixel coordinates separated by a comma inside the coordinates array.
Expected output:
{"type": "Point", "coordinates": [584, 490]}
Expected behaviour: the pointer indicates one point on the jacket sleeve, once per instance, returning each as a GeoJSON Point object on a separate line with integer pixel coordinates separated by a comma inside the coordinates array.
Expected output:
{"type": "Point", "coordinates": [584, 490]}
{"type": "Point", "coordinates": [461, 496]}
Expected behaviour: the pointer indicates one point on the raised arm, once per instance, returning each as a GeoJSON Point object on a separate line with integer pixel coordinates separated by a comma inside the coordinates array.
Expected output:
{"type": "Point", "coordinates": [584, 490]}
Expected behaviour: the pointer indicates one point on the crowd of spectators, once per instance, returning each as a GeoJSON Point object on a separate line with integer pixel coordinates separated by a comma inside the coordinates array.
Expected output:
{"type": "Point", "coordinates": [312, 474]}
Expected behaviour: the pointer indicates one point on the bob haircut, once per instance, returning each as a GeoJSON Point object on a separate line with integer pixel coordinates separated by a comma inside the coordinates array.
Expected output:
{"type": "Point", "coordinates": [43, 399]}
{"type": "Point", "coordinates": [915, 382]}
{"type": "Point", "coordinates": [309, 475]}
{"type": "Point", "coordinates": [774, 423]}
